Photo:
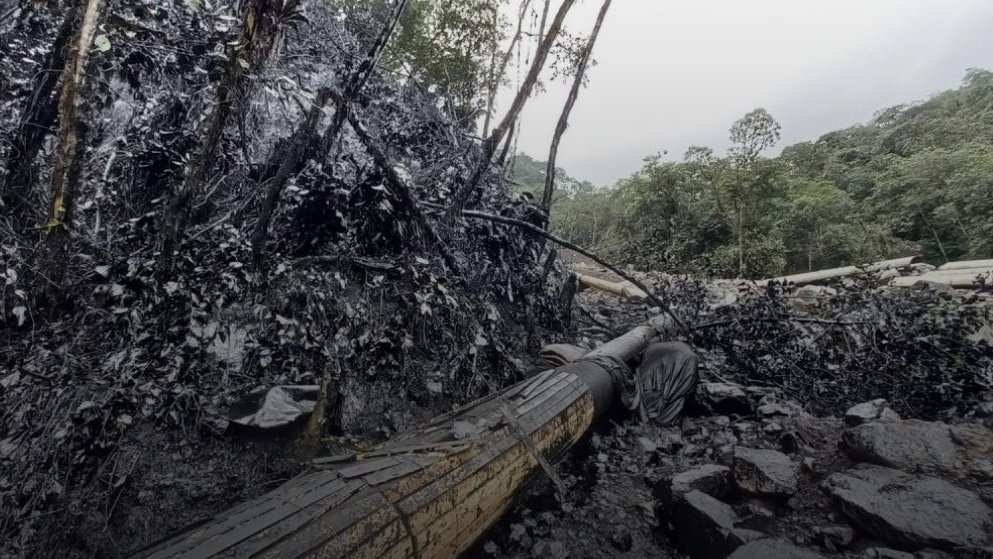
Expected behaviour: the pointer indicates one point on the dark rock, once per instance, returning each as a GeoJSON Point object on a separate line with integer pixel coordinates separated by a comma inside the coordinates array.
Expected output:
{"type": "Point", "coordinates": [790, 442]}
{"type": "Point", "coordinates": [769, 549]}
{"type": "Point", "coordinates": [758, 514]}
{"type": "Point", "coordinates": [869, 411]}
{"type": "Point", "coordinates": [922, 446]}
{"type": "Point", "coordinates": [711, 479]}
{"type": "Point", "coordinates": [724, 399]}
{"type": "Point", "coordinates": [705, 527]}
{"type": "Point", "coordinates": [834, 538]}
{"type": "Point", "coordinates": [622, 540]}
{"type": "Point", "coordinates": [670, 443]}
{"type": "Point", "coordinates": [911, 512]}
{"type": "Point", "coordinates": [886, 553]}
{"type": "Point", "coordinates": [648, 445]}
{"type": "Point", "coordinates": [775, 409]}
{"type": "Point", "coordinates": [765, 472]}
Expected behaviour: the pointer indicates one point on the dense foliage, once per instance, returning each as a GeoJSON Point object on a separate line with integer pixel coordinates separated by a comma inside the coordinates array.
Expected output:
{"type": "Point", "coordinates": [156, 298]}
{"type": "Point", "coordinates": [916, 178]}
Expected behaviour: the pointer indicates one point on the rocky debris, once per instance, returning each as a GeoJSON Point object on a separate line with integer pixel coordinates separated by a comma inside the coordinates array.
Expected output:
{"type": "Point", "coordinates": [887, 553]}
{"type": "Point", "coordinates": [836, 537]}
{"type": "Point", "coordinates": [765, 472]}
{"type": "Point", "coordinates": [808, 296]}
{"type": "Point", "coordinates": [724, 398]}
{"type": "Point", "coordinates": [705, 527]}
{"type": "Point", "coordinates": [923, 446]}
{"type": "Point", "coordinates": [869, 411]}
{"type": "Point", "coordinates": [909, 511]}
{"type": "Point", "coordinates": [712, 479]}
{"type": "Point", "coordinates": [769, 548]}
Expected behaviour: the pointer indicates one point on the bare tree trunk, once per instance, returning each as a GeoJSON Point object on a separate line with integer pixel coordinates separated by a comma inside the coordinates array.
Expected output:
{"type": "Point", "coordinates": [39, 115]}
{"type": "Point", "coordinates": [463, 194]}
{"type": "Point", "coordinates": [544, 21]}
{"type": "Point", "coordinates": [65, 173]}
{"type": "Point", "coordinates": [494, 82]}
{"type": "Point", "coordinates": [292, 164]}
{"type": "Point", "coordinates": [502, 158]}
{"type": "Point", "coordinates": [741, 244]}
{"type": "Point", "coordinates": [560, 128]}
{"type": "Point", "coordinates": [259, 36]}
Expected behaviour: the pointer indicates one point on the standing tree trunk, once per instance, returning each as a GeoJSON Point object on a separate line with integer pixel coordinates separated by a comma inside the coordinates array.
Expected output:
{"type": "Point", "coordinates": [463, 194]}
{"type": "Point", "coordinates": [260, 33]}
{"type": "Point", "coordinates": [560, 128]}
{"type": "Point", "coordinates": [39, 116]}
{"type": "Point", "coordinates": [65, 174]}
{"type": "Point", "coordinates": [496, 74]}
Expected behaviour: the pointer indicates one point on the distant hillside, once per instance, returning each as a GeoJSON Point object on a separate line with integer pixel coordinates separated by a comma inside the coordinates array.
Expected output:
{"type": "Point", "coordinates": [925, 168]}
{"type": "Point", "coordinates": [529, 176]}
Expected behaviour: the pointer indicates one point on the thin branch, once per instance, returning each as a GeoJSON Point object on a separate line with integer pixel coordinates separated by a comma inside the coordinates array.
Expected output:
{"type": "Point", "coordinates": [562, 242]}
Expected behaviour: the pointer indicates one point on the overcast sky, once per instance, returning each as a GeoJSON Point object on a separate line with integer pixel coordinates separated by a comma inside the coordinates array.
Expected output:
{"type": "Point", "coordinates": [674, 73]}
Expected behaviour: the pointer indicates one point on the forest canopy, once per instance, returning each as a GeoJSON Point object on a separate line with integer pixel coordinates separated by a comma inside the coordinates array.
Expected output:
{"type": "Point", "coordinates": [916, 178]}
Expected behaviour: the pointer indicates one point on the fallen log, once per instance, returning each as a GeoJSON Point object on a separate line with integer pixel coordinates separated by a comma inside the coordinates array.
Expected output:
{"type": "Point", "coordinates": [966, 265]}
{"type": "Point", "coordinates": [832, 273]}
{"type": "Point", "coordinates": [961, 279]}
{"type": "Point", "coordinates": [432, 492]}
{"type": "Point", "coordinates": [622, 289]}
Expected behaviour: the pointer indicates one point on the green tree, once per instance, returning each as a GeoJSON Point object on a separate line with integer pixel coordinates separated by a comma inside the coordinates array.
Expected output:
{"type": "Point", "coordinates": [749, 180]}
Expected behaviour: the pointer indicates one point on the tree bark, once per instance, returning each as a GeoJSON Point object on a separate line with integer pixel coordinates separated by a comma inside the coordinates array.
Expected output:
{"type": "Point", "coordinates": [259, 36]}
{"type": "Point", "coordinates": [39, 116]}
{"type": "Point", "coordinates": [65, 173]}
{"type": "Point", "coordinates": [463, 194]}
{"type": "Point", "coordinates": [496, 76]}
{"type": "Point", "coordinates": [425, 493]}
{"type": "Point", "coordinates": [560, 128]}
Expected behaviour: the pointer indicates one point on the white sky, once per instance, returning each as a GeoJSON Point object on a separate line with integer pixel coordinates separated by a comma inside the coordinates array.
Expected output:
{"type": "Point", "coordinates": [673, 73]}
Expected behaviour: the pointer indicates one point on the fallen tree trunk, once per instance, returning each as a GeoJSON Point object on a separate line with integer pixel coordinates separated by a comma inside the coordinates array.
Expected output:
{"type": "Point", "coordinates": [966, 265]}
{"type": "Point", "coordinates": [620, 288]}
{"type": "Point", "coordinates": [822, 275]}
{"type": "Point", "coordinates": [961, 279]}
{"type": "Point", "coordinates": [430, 493]}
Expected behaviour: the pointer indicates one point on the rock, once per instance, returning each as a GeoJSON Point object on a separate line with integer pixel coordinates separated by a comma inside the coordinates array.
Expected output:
{"type": "Point", "coordinates": [712, 479]}
{"type": "Point", "coordinates": [725, 399]}
{"type": "Point", "coordinates": [922, 446]}
{"type": "Point", "coordinates": [769, 548]}
{"type": "Point", "coordinates": [757, 514]}
{"type": "Point", "coordinates": [869, 411]}
{"type": "Point", "coordinates": [807, 296]}
{"type": "Point", "coordinates": [834, 538]}
{"type": "Point", "coordinates": [705, 527]}
{"type": "Point", "coordinates": [648, 445]}
{"type": "Point", "coordinates": [622, 540]}
{"type": "Point", "coordinates": [911, 512]}
{"type": "Point", "coordinates": [886, 553]}
{"type": "Point", "coordinates": [774, 409]}
{"type": "Point", "coordinates": [888, 273]}
{"type": "Point", "coordinates": [790, 442]}
{"type": "Point", "coordinates": [765, 472]}
{"type": "Point", "coordinates": [921, 268]}
{"type": "Point", "coordinates": [670, 443]}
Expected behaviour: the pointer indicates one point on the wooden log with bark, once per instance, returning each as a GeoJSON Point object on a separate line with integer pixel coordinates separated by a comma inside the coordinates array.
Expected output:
{"type": "Point", "coordinates": [432, 492]}
{"type": "Point", "coordinates": [622, 289]}
{"type": "Point", "coordinates": [967, 265]}
{"type": "Point", "coordinates": [833, 273]}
